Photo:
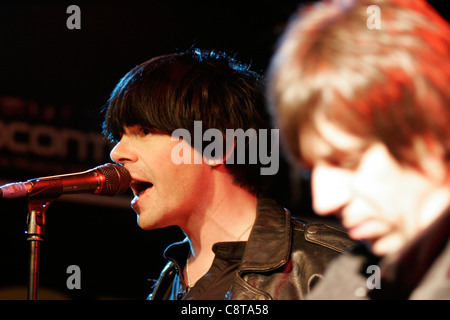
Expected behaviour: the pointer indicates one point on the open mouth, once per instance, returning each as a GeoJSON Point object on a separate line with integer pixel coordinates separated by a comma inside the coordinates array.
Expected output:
{"type": "Point", "coordinates": [139, 187]}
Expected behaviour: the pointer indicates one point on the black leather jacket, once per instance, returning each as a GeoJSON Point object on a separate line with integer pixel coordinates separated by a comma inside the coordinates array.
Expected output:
{"type": "Point", "coordinates": [283, 258]}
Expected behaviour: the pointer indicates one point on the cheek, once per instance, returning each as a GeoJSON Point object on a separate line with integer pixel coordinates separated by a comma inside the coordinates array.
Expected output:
{"type": "Point", "coordinates": [379, 199]}
{"type": "Point", "coordinates": [183, 181]}
{"type": "Point", "coordinates": [330, 189]}
{"type": "Point", "coordinates": [393, 198]}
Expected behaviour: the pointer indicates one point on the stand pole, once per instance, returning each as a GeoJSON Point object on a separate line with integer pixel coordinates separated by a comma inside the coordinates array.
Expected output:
{"type": "Point", "coordinates": [35, 231]}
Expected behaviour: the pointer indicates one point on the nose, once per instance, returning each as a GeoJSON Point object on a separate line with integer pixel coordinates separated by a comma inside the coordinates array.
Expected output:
{"type": "Point", "coordinates": [123, 152]}
{"type": "Point", "coordinates": [330, 189]}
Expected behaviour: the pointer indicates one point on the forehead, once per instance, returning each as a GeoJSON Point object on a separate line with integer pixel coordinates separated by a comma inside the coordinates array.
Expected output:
{"type": "Point", "coordinates": [323, 139]}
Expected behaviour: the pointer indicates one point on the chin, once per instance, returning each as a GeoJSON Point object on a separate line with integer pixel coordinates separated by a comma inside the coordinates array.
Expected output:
{"type": "Point", "coordinates": [145, 226]}
{"type": "Point", "coordinates": [149, 224]}
{"type": "Point", "coordinates": [383, 248]}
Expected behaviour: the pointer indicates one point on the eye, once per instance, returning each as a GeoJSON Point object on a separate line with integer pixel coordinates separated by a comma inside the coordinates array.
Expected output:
{"type": "Point", "coordinates": [145, 131]}
{"type": "Point", "coordinates": [139, 131]}
{"type": "Point", "coordinates": [347, 162]}
{"type": "Point", "coordinates": [350, 163]}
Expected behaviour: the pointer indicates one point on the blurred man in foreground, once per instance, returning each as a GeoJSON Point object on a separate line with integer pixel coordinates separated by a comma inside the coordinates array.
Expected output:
{"type": "Point", "coordinates": [360, 91]}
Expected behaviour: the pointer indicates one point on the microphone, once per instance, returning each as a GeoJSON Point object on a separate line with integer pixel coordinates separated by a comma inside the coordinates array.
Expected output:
{"type": "Point", "coordinates": [108, 179]}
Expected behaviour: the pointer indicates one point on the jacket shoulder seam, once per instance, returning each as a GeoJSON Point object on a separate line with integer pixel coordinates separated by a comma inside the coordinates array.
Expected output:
{"type": "Point", "coordinates": [323, 234]}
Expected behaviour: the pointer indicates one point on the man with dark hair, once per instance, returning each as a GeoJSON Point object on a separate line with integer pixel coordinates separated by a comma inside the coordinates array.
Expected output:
{"type": "Point", "coordinates": [360, 92]}
{"type": "Point", "coordinates": [239, 245]}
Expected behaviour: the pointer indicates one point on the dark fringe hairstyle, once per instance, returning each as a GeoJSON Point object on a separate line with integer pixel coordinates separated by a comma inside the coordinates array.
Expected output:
{"type": "Point", "coordinates": [172, 91]}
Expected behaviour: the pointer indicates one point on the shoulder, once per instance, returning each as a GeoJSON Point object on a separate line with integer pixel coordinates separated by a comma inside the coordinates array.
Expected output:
{"type": "Point", "coordinates": [323, 235]}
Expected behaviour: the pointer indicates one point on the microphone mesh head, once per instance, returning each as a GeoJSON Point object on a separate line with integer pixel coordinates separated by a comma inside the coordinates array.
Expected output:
{"type": "Point", "coordinates": [117, 179]}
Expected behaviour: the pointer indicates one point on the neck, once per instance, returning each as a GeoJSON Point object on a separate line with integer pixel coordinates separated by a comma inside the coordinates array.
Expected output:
{"type": "Point", "coordinates": [226, 213]}
{"type": "Point", "coordinates": [229, 217]}
{"type": "Point", "coordinates": [437, 203]}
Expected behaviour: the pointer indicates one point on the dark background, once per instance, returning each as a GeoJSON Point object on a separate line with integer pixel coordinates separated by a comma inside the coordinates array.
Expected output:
{"type": "Point", "coordinates": [56, 80]}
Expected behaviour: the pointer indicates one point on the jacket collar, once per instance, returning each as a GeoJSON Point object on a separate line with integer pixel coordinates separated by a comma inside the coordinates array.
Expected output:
{"type": "Point", "coordinates": [271, 231]}
{"type": "Point", "coordinates": [269, 243]}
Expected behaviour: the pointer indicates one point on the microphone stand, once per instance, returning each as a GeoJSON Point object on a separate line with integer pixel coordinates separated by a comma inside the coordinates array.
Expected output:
{"type": "Point", "coordinates": [37, 208]}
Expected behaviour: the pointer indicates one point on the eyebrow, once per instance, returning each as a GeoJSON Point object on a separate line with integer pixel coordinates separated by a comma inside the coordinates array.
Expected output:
{"type": "Point", "coordinates": [333, 154]}
{"type": "Point", "coordinates": [345, 159]}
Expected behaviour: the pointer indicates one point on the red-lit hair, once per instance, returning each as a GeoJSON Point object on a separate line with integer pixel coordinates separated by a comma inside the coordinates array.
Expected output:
{"type": "Point", "coordinates": [389, 84]}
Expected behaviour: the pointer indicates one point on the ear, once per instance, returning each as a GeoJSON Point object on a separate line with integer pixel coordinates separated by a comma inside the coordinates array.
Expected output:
{"type": "Point", "coordinates": [220, 157]}
{"type": "Point", "coordinates": [214, 162]}
{"type": "Point", "coordinates": [430, 154]}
